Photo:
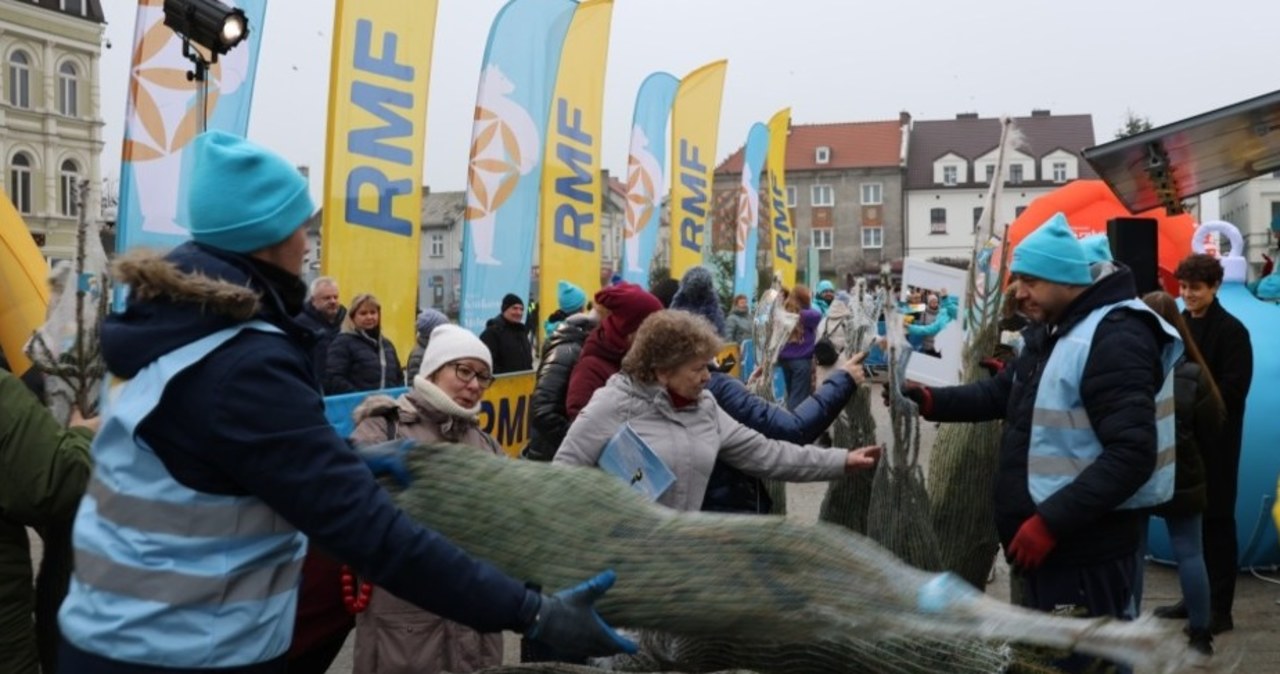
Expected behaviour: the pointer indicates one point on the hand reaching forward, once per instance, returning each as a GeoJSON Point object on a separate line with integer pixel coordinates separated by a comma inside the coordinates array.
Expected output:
{"type": "Point", "coordinates": [864, 458]}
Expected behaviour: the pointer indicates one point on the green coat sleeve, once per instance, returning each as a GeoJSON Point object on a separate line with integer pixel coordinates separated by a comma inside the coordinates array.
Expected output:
{"type": "Point", "coordinates": [44, 467]}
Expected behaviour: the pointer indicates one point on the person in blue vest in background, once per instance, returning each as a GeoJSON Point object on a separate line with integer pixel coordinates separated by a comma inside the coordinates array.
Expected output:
{"type": "Point", "coordinates": [215, 467]}
{"type": "Point", "coordinates": [1088, 438]}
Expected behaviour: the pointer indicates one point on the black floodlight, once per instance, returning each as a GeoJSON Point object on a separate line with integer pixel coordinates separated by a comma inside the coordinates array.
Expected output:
{"type": "Point", "coordinates": [208, 23]}
{"type": "Point", "coordinates": [1166, 165]}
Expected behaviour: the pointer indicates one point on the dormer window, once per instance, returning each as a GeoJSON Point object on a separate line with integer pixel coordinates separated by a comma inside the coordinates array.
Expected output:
{"type": "Point", "coordinates": [949, 175]}
{"type": "Point", "coordinates": [822, 155]}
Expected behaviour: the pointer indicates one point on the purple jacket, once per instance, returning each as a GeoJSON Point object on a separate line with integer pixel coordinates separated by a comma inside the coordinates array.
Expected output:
{"type": "Point", "coordinates": [809, 318]}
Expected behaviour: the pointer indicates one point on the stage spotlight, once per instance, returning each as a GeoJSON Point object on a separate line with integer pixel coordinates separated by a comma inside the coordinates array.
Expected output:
{"type": "Point", "coordinates": [208, 23]}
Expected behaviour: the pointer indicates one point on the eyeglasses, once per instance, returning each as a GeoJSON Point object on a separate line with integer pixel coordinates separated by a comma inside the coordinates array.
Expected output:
{"type": "Point", "coordinates": [467, 374]}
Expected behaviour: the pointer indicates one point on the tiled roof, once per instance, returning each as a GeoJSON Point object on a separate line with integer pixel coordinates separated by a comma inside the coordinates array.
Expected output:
{"type": "Point", "coordinates": [853, 145]}
{"type": "Point", "coordinates": [443, 208]}
{"type": "Point", "coordinates": [973, 137]}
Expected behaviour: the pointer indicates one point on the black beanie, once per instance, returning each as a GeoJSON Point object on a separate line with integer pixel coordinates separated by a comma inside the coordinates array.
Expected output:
{"type": "Point", "coordinates": [510, 300]}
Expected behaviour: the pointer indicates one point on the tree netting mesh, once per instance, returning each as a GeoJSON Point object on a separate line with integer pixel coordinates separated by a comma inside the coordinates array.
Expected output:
{"type": "Point", "coordinates": [758, 579]}
{"type": "Point", "coordinates": [770, 329]}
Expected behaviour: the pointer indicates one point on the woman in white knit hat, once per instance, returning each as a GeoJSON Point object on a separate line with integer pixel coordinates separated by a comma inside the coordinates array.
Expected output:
{"type": "Point", "coordinates": [440, 406]}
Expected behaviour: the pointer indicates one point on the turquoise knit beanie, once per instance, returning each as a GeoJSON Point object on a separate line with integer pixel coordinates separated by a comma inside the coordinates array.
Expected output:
{"type": "Point", "coordinates": [243, 197]}
{"type": "Point", "coordinates": [1053, 253]}
{"type": "Point", "coordinates": [570, 297]}
{"type": "Point", "coordinates": [1097, 248]}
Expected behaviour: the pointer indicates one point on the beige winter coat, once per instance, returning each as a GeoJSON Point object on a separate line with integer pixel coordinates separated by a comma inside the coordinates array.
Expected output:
{"type": "Point", "coordinates": [688, 440]}
{"type": "Point", "coordinates": [392, 635]}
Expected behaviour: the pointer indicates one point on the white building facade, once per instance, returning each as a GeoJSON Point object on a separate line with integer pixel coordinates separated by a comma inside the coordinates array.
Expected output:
{"type": "Point", "coordinates": [1253, 206]}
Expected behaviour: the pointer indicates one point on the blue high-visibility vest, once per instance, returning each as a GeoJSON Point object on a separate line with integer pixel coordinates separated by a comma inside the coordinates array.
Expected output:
{"type": "Point", "coordinates": [166, 575]}
{"type": "Point", "coordinates": [1063, 443]}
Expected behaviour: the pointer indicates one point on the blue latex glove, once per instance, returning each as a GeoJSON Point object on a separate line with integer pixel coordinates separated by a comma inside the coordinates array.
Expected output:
{"type": "Point", "coordinates": [387, 458]}
{"type": "Point", "coordinates": [569, 624]}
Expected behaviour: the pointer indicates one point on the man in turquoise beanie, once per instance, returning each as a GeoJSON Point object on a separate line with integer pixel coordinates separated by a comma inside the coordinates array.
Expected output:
{"type": "Point", "coordinates": [1089, 432]}
{"type": "Point", "coordinates": [215, 466]}
{"type": "Point", "coordinates": [570, 300]}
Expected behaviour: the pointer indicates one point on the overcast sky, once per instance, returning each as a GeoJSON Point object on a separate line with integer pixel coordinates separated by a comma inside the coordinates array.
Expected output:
{"type": "Point", "coordinates": [830, 60]}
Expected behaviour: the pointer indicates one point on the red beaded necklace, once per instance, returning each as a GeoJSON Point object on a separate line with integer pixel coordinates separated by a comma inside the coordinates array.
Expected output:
{"type": "Point", "coordinates": [355, 603]}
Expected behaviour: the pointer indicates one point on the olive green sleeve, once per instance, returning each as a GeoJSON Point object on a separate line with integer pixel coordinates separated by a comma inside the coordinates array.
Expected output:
{"type": "Point", "coordinates": [43, 467]}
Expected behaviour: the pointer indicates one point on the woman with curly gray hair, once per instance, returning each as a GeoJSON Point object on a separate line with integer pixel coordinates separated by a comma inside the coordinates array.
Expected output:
{"type": "Point", "coordinates": [660, 394]}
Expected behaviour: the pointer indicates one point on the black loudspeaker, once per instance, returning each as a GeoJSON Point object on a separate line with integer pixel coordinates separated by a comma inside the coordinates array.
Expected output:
{"type": "Point", "coordinates": [1134, 243]}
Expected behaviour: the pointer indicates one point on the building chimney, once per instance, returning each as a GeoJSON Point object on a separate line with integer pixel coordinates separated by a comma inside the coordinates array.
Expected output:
{"type": "Point", "coordinates": [904, 118]}
{"type": "Point", "coordinates": [967, 115]}
{"type": "Point", "coordinates": [1040, 112]}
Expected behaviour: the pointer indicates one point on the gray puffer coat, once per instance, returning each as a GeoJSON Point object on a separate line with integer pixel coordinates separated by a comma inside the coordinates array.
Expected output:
{"type": "Point", "coordinates": [688, 440]}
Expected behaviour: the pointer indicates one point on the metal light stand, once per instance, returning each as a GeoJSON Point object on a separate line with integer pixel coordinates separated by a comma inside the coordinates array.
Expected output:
{"type": "Point", "coordinates": [200, 75]}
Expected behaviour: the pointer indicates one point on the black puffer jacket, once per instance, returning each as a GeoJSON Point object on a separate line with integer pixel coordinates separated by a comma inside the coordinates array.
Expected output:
{"type": "Point", "coordinates": [549, 421]}
{"type": "Point", "coordinates": [508, 345]}
{"type": "Point", "coordinates": [1121, 377]}
{"type": "Point", "coordinates": [1199, 417]}
{"type": "Point", "coordinates": [325, 330]}
{"type": "Point", "coordinates": [360, 361]}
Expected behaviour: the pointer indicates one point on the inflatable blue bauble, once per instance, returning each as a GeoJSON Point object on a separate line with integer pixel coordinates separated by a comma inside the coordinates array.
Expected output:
{"type": "Point", "coordinates": [1259, 456]}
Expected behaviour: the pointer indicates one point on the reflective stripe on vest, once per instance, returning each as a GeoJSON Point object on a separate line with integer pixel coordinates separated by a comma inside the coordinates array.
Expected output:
{"type": "Point", "coordinates": [165, 575]}
{"type": "Point", "coordinates": [1063, 443]}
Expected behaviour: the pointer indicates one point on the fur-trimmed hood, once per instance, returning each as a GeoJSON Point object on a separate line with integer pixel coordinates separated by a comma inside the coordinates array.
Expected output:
{"type": "Point", "coordinates": [178, 297]}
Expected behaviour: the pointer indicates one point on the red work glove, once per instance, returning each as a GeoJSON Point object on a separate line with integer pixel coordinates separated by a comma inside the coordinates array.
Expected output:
{"type": "Point", "coordinates": [1032, 544]}
{"type": "Point", "coordinates": [992, 365]}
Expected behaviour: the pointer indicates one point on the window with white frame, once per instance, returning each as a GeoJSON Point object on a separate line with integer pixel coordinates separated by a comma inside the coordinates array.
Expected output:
{"type": "Point", "coordinates": [69, 189]}
{"type": "Point", "coordinates": [20, 182]}
{"type": "Point", "coordinates": [872, 194]}
{"type": "Point", "coordinates": [791, 196]}
{"type": "Point", "coordinates": [872, 237]}
{"type": "Point", "coordinates": [68, 89]}
{"type": "Point", "coordinates": [937, 221]}
{"type": "Point", "coordinates": [822, 155]}
{"type": "Point", "coordinates": [991, 172]}
{"type": "Point", "coordinates": [822, 195]}
{"type": "Point", "coordinates": [820, 238]}
{"type": "Point", "coordinates": [949, 174]}
{"type": "Point", "coordinates": [1015, 174]}
{"type": "Point", "coordinates": [1059, 171]}
{"type": "Point", "coordinates": [435, 245]}
{"type": "Point", "coordinates": [20, 79]}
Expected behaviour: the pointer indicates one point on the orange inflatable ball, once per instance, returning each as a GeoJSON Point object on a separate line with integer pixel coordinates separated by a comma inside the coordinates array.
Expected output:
{"type": "Point", "coordinates": [1089, 204]}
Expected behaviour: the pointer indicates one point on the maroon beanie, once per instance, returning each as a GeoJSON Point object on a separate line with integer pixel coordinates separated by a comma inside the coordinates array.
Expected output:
{"type": "Point", "coordinates": [628, 306]}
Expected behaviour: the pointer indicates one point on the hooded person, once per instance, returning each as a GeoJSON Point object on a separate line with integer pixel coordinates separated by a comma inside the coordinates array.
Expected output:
{"type": "Point", "coordinates": [507, 336]}
{"type": "Point", "coordinates": [824, 295]}
{"type": "Point", "coordinates": [441, 405]}
{"type": "Point", "coordinates": [1088, 415]}
{"type": "Point", "coordinates": [729, 489]}
{"type": "Point", "coordinates": [570, 300]}
{"type": "Point", "coordinates": [625, 306]}
{"type": "Point", "coordinates": [697, 295]}
{"type": "Point", "coordinates": [215, 469]}
{"type": "Point", "coordinates": [428, 319]}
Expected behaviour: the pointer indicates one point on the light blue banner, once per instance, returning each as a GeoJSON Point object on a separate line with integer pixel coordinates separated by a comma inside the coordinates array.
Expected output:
{"type": "Point", "coordinates": [517, 80]}
{"type": "Point", "coordinates": [748, 232]}
{"type": "Point", "coordinates": [162, 118]}
{"type": "Point", "coordinates": [646, 175]}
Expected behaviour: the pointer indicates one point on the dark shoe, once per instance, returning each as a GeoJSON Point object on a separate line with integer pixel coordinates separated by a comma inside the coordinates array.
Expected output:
{"type": "Point", "coordinates": [1201, 641]}
{"type": "Point", "coordinates": [1220, 623]}
{"type": "Point", "coordinates": [1176, 611]}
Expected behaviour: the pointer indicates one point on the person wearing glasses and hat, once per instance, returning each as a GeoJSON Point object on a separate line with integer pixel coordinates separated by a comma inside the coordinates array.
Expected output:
{"type": "Point", "coordinates": [440, 406]}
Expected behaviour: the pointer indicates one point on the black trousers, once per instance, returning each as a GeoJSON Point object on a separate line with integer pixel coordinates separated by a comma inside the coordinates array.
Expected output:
{"type": "Point", "coordinates": [1221, 556]}
{"type": "Point", "coordinates": [1094, 590]}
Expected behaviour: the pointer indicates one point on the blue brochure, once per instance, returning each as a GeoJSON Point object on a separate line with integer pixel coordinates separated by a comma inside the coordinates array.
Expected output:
{"type": "Point", "coordinates": [630, 459]}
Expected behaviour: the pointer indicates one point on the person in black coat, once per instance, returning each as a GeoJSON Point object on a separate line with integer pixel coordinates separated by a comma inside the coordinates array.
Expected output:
{"type": "Point", "coordinates": [549, 420]}
{"type": "Point", "coordinates": [360, 358]}
{"type": "Point", "coordinates": [1228, 353]}
{"type": "Point", "coordinates": [322, 314]}
{"type": "Point", "coordinates": [1076, 547]}
{"type": "Point", "coordinates": [507, 337]}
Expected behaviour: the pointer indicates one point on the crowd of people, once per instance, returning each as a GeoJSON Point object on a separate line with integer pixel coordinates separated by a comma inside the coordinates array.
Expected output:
{"type": "Point", "coordinates": [226, 526]}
